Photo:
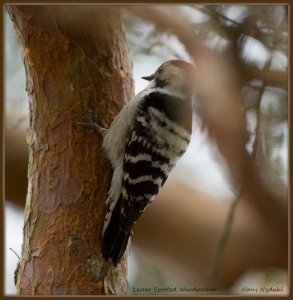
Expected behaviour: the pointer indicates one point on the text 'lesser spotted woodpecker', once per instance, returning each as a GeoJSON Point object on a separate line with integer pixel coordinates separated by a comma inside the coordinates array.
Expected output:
{"type": "Point", "coordinates": [143, 144]}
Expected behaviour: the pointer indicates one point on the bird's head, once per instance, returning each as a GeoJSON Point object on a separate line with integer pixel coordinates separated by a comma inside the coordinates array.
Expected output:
{"type": "Point", "coordinates": [175, 75]}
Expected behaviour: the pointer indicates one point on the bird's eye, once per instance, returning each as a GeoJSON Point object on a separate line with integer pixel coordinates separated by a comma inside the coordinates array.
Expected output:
{"type": "Point", "coordinates": [160, 69]}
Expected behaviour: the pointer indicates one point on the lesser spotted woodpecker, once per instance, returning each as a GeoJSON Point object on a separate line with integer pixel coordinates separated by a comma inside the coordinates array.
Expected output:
{"type": "Point", "coordinates": [143, 144]}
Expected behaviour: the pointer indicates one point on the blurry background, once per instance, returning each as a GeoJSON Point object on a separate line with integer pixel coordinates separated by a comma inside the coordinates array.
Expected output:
{"type": "Point", "coordinates": [238, 152]}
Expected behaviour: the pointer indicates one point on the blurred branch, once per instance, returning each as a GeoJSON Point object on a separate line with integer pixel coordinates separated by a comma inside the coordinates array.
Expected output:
{"type": "Point", "coordinates": [211, 12]}
{"type": "Point", "coordinates": [247, 26]}
{"type": "Point", "coordinates": [272, 78]}
{"type": "Point", "coordinates": [166, 22]}
{"type": "Point", "coordinates": [222, 241]}
{"type": "Point", "coordinates": [256, 142]}
{"type": "Point", "coordinates": [186, 33]}
{"type": "Point", "coordinates": [219, 79]}
{"type": "Point", "coordinates": [182, 224]}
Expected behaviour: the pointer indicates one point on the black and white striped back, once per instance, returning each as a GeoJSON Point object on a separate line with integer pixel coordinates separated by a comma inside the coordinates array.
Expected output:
{"type": "Point", "coordinates": [157, 138]}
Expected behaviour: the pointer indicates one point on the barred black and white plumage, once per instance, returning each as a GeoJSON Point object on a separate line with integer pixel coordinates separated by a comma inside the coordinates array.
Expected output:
{"type": "Point", "coordinates": [143, 143]}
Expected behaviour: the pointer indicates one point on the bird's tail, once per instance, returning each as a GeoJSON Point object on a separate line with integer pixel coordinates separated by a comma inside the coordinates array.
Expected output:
{"type": "Point", "coordinates": [114, 240]}
{"type": "Point", "coordinates": [114, 245]}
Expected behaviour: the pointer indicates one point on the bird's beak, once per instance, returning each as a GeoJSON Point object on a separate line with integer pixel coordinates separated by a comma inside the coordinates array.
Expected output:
{"type": "Point", "coordinates": [149, 78]}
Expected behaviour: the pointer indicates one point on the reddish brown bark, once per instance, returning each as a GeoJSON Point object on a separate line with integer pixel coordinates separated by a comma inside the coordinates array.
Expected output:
{"type": "Point", "coordinates": [76, 61]}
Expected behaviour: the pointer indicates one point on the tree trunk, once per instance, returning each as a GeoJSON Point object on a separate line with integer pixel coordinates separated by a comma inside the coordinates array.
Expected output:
{"type": "Point", "coordinates": [77, 62]}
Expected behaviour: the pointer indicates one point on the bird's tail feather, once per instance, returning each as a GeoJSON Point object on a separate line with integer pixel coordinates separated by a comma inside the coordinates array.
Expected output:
{"type": "Point", "coordinates": [115, 240]}
{"type": "Point", "coordinates": [115, 246]}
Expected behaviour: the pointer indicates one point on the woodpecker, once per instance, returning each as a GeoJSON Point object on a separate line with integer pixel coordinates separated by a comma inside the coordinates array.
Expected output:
{"type": "Point", "coordinates": [143, 143]}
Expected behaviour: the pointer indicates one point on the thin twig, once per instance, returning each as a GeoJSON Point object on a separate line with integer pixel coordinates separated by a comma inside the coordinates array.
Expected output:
{"type": "Point", "coordinates": [15, 253]}
{"type": "Point", "coordinates": [222, 240]}
{"type": "Point", "coordinates": [256, 142]}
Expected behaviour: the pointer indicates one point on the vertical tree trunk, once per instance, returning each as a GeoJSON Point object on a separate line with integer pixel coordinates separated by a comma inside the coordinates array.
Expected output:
{"type": "Point", "coordinates": [77, 61]}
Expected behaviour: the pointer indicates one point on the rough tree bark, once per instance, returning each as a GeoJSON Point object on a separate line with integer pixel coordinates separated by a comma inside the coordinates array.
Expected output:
{"type": "Point", "coordinates": [76, 61]}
